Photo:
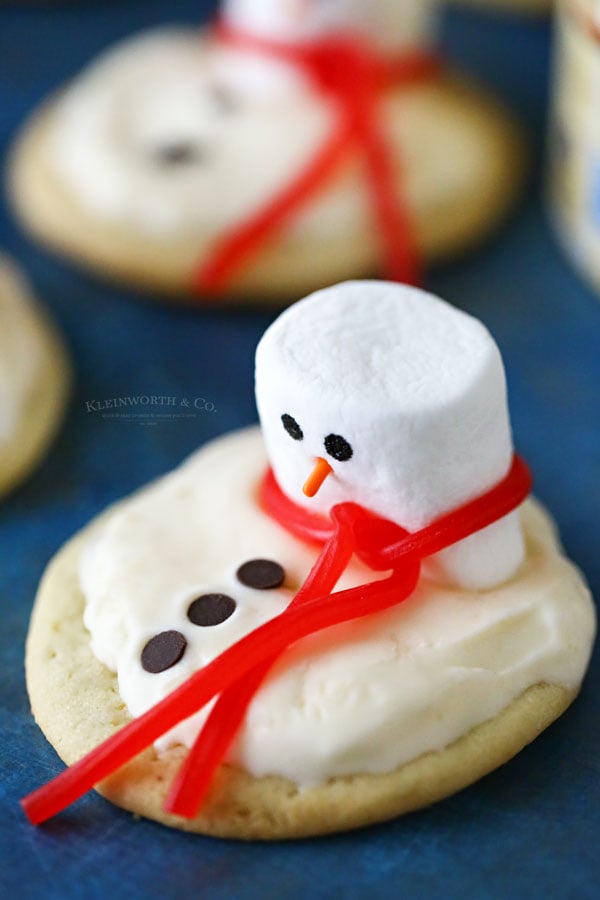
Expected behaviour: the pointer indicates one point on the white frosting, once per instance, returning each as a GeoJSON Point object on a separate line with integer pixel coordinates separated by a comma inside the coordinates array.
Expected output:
{"type": "Point", "coordinates": [417, 388]}
{"type": "Point", "coordinates": [20, 349]}
{"type": "Point", "coordinates": [161, 90]}
{"type": "Point", "coordinates": [364, 697]}
{"type": "Point", "coordinates": [157, 90]}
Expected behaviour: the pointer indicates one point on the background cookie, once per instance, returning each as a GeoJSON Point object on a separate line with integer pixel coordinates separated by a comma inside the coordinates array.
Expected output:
{"type": "Point", "coordinates": [156, 224]}
{"type": "Point", "coordinates": [35, 377]}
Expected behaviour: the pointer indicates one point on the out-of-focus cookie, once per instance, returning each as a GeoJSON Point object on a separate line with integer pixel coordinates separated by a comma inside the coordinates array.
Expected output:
{"type": "Point", "coordinates": [172, 140]}
{"type": "Point", "coordinates": [34, 378]}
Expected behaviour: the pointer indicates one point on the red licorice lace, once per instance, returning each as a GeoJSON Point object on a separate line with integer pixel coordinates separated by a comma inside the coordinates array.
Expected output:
{"type": "Point", "coordinates": [355, 77]}
{"type": "Point", "coordinates": [236, 674]}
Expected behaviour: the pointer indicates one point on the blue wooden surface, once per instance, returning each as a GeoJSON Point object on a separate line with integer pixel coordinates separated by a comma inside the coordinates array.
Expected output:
{"type": "Point", "coordinates": [528, 830]}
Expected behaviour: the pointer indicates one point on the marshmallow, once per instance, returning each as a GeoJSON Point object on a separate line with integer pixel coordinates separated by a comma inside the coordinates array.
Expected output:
{"type": "Point", "coordinates": [390, 25]}
{"type": "Point", "coordinates": [405, 398]}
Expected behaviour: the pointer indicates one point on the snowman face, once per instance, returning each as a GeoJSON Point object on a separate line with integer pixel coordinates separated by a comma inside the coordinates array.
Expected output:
{"type": "Point", "coordinates": [335, 447]}
{"type": "Point", "coordinates": [388, 396]}
{"type": "Point", "coordinates": [318, 454]}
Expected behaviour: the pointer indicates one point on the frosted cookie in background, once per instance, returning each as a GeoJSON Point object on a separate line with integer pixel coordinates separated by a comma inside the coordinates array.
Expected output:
{"type": "Point", "coordinates": [34, 378]}
{"type": "Point", "coordinates": [455, 633]}
{"type": "Point", "coordinates": [174, 161]}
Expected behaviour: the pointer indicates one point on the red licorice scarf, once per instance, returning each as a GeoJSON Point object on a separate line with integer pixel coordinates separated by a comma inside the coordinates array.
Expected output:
{"type": "Point", "coordinates": [355, 77]}
{"type": "Point", "coordinates": [235, 675]}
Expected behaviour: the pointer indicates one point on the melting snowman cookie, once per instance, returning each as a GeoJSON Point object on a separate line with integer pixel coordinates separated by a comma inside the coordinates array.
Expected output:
{"type": "Point", "coordinates": [33, 379]}
{"type": "Point", "coordinates": [253, 159]}
{"type": "Point", "coordinates": [345, 617]}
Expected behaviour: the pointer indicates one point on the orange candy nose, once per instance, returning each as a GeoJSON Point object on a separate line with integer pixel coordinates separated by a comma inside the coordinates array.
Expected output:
{"type": "Point", "coordinates": [316, 478]}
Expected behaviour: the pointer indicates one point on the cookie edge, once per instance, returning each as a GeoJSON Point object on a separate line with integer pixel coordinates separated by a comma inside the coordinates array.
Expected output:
{"type": "Point", "coordinates": [44, 410]}
{"type": "Point", "coordinates": [239, 805]}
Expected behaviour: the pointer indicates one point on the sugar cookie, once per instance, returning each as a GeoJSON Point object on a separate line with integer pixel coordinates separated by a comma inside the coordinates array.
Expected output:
{"type": "Point", "coordinates": [34, 376]}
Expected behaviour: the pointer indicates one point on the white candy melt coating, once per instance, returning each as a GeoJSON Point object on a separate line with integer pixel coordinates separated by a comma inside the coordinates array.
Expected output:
{"type": "Point", "coordinates": [417, 388]}
{"type": "Point", "coordinates": [157, 90]}
{"type": "Point", "coordinates": [20, 349]}
{"type": "Point", "coordinates": [389, 25]}
{"type": "Point", "coordinates": [364, 697]}
{"type": "Point", "coordinates": [162, 89]}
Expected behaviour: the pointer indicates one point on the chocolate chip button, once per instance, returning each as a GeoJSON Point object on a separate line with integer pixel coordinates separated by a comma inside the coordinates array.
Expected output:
{"type": "Point", "coordinates": [163, 651]}
{"type": "Point", "coordinates": [262, 574]}
{"type": "Point", "coordinates": [180, 154]}
{"type": "Point", "coordinates": [211, 609]}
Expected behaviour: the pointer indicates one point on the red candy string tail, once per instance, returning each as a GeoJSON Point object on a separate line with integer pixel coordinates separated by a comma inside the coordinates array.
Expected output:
{"type": "Point", "coordinates": [264, 642]}
{"type": "Point", "coordinates": [242, 242]}
{"type": "Point", "coordinates": [354, 76]}
{"type": "Point", "coordinates": [193, 779]}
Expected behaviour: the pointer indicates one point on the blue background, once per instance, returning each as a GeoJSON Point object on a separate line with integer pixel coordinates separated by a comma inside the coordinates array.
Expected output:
{"type": "Point", "coordinates": [529, 829]}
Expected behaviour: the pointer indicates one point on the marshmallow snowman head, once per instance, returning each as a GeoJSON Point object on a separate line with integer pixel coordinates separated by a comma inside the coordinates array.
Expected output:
{"type": "Point", "coordinates": [389, 24]}
{"type": "Point", "coordinates": [390, 397]}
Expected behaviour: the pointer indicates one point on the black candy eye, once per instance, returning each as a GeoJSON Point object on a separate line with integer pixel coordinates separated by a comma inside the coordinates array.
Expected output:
{"type": "Point", "coordinates": [211, 609]}
{"type": "Point", "coordinates": [292, 427]}
{"type": "Point", "coordinates": [163, 651]}
{"type": "Point", "coordinates": [338, 447]}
